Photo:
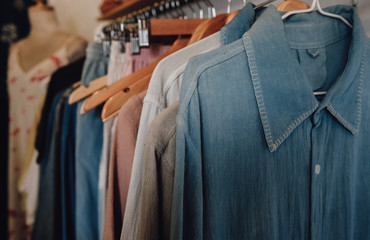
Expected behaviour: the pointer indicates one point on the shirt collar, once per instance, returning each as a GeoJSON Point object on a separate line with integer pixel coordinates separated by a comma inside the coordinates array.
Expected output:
{"type": "Point", "coordinates": [284, 96]}
{"type": "Point", "coordinates": [241, 23]}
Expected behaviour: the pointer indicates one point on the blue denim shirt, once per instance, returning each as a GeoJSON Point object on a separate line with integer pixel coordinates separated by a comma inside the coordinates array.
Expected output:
{"type": "Point", "coordinates": [258, 156]}
{"type": "Point", "coordinates": [241, 23]}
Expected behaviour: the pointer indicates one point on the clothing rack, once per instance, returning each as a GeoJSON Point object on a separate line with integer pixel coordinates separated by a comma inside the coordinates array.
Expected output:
{"type": "Point", "coordinates": [146, 18]}
{"type": "Point", "coordinates": [139, 7]}
{"type": "Point", "coordinates": [126, 8]}
{"type": "Point", "coordinates": [169, 27]}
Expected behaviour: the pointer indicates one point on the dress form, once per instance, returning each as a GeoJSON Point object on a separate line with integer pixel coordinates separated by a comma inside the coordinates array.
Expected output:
{"type": "Point", "coordinates": [31, 63]}
{"type": "Point", "coordinates": [45, 38]}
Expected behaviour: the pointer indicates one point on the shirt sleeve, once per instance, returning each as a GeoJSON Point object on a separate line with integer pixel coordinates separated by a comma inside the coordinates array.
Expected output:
{"type": "Point", "coordinates": [130, 221]}
{"type": "Point", "coordinates": [149, 205]}
{"type": "Point", "coordinates": [187, 203]}
{"type": "Point", "coordinates": [157, 180]}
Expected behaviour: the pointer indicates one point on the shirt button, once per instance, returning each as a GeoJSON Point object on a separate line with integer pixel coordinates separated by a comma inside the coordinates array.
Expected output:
{"type": "Point", "coordinates": [317, 169]}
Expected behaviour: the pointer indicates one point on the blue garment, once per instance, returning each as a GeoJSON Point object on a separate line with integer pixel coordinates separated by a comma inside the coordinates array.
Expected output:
{"type": "Point", "coordinates": [241, 23]}
{"type": "Point", "coordinates": [89, 143]}
{"type": "Point", "coordinates": [48, 214]}
{"type": "Point", "coordinates": [258, 156]}
{"type": "Point", "coordinates": [67, 163]}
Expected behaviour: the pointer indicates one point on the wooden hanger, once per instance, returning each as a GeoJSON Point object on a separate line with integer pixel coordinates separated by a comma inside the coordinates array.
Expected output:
{"type": "Point", "coordinates": [207, 28]}
{"type": "Point", "coordinates": [82, 92]}
{"type": "Point", "coordinates": [231, 16]}
{"type": "Point", "coordinates": [198, 31]}
{"type": "Point", "coordinates": [114, 104]}
{"type": "Point", "coordinates": [102, 95]}
{"type": "Point", "coordinates": [174, 27]}
{"type": "Point", "coordinates": [158, 27]}
{"type": "Point", "coordinates": [76, 84]}
{"type": "Point", "coordinates": [112, 107]}
{"type": "Point", "coordinates": [292, 5]}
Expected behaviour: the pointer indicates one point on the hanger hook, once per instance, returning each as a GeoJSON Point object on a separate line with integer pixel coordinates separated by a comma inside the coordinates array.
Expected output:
{"type": "Point", "coordinates": [314, 4]}
{"type": "Point", "coordinates": [211, 9]}
{"type": "Point", "coordinates": [192, 10]}
{"type": "Point", "coordinates": [228, 10]}
{"type": "Point", "coordinates": [200, 10]}
{"type": "Point", "coordinates": [176, 4]}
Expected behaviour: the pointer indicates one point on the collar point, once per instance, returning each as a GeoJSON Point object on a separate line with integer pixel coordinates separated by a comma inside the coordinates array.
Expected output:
{"type": "Point", "coordinates": [272, 147]}
{"type": "Point", "coordinates": [355, 132]}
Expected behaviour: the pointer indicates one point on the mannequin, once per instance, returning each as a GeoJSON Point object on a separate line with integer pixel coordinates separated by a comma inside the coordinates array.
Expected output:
{"type": "Point", "coordinates": [31, 63]}
{"type": "Point", "coordinates": [45, 38]}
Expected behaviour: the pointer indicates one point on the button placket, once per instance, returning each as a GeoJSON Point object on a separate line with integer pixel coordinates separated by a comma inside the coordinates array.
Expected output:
{"type": "Point", "coordinates": [316, 179]}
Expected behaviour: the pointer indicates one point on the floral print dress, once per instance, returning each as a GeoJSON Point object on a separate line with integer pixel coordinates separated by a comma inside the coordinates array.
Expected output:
{"type": "Point", "coordinates": [25, 89]}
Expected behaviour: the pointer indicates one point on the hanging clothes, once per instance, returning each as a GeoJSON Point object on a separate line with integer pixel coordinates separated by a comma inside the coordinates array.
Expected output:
{"type": "Point", "coordinates": [265, 158]}
{"type": "Point", "coordinates": [135, 62]}
{"type": "Point", "coordinates": [164, 90]}
{"type": "Point", "coordinates": [60, 81]}
{"type": "Point", "coordinates": [120, 165]}
{"type": "Point", "coordinates": [68, 169]}
{"type": "Point", "coordinates": [88, 149]}
{"type": "Point", "coordinates": [117, 64]}
{"type": "Point", "coordinates": [48, 222]}
{"type": "Point", "coordinates": [157, 180]}
{"type": "Point", "coordinates": [121, 65]}
{"type": "Point", "coordinates": [229, 141]}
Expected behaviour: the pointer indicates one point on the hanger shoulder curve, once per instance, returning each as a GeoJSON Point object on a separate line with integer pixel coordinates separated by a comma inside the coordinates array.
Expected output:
{"type": "Point", "coordinates": [104, 94]}
{"type": "Point", "coordinates": [231, 16]}
{"type": "Point", "coordinates": [208, 28]}
{"type": "Point", "coordinates": [114, 104]}
{"type": "Point", "coordinates": [292, 5]}
{"type": "Point", "coordinates": [81, 92]}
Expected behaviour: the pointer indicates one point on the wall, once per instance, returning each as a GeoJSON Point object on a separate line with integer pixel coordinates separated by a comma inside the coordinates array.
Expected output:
{"type": "Point", "coordinates": [80, 16]}
{"type": "Point", "coordinates": [77, 16]}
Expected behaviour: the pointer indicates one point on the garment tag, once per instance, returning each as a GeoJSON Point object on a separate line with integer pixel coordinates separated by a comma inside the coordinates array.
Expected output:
{"type": "Point", "coordinates": [144, 37]}
{"type": "Point", "coordinates": [106, 47]}
{"type": "Point", "coordinates": [143, 33]}
{"type": "Point", "coordinates": [122, 37]}
{"type": "Point", "coordinates": [122, 46]}
{"type": "Point", "coordinates": [106, 38]}
{"type": "Point", "coordinates": [134, 40]}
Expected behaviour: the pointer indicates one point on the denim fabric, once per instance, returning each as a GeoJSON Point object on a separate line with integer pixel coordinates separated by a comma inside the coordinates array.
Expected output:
{"type": "Point", "coordinates": [48, 214]}
{"type": "Point", "coordinates": [89, 142]}
{"type": "Point", "coordinates": [60, 80]}
{"type": "Point", "coordinates": [164, 90]}
{"type": "Point", "coordinates": [96, 64]}
{"type": "Point", "coordinates": [67, 162]}
{"type": "Point", "coordinates": [258, 156]}
{"type": "Point", "coordinates": [241, 23]}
